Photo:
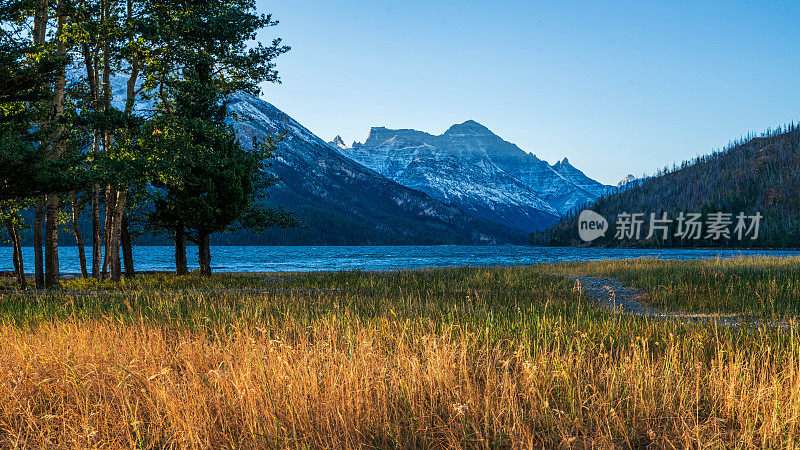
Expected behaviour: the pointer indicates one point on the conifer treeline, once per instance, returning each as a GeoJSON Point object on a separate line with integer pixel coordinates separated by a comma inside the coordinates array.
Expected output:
{"type": "Point", "coordinates": [753, 174]}
{"type": "Point", "coordinates": [157, 153]}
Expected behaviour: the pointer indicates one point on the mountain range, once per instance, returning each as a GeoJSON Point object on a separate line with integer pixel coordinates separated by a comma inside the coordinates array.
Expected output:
{"type": "Point", "coordinates": [467, 186]}
{"type": "Point", "coordinates": [474, 169]}
{"type": "Point", "coordinates": [345, 203]}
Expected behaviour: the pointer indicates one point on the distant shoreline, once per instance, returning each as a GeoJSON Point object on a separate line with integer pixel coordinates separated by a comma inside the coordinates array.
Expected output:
{"type": "Point", "coordinates": [788, 249]}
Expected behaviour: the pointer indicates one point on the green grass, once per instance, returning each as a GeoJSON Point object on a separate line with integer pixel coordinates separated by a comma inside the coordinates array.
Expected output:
{"type": "Point", "coordinates": [498, 298]}
{"type": "Point", "coordinates": [762, 287]}
{"type": "Point", "coordinates": [528, 305]}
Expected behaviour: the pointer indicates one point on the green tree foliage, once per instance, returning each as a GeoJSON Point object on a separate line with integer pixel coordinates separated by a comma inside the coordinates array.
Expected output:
{"type": "Point", "coordinates": [198, 55]}
{"type": "Point", "coordinates": [206, 182]}
{"type": "Point", "coordinates": [62, 129]}
{"type": "Point", "coordinates": [27, 71]}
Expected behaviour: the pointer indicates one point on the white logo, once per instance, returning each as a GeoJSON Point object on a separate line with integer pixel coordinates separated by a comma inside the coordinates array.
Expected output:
{"type": "Point", "coordinates": [686, 226]}
{"type": "Point", "coordinates": [591, 225]}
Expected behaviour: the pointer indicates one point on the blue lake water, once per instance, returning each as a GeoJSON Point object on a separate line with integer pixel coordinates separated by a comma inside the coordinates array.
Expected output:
{"type": "Point", "coordinates": [284, 259]}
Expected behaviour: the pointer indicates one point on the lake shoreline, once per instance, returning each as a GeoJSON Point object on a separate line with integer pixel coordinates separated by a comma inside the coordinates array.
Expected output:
{"type": "Point", "coordinates": [252, 259]}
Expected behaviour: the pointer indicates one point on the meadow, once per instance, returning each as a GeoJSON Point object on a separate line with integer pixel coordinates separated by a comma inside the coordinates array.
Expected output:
{"type": "Point", "coordinates": [475, 357]}
{"type": "Point", "coordinates": [761, 288]}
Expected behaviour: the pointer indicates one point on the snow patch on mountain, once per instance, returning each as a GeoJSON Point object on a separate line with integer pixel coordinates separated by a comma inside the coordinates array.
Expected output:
{"type": "Point", "coordinates": [318, 177]}
{"type": "Point", "coordinates": [628, 181]}
{"type": "Point", "coordinates": [476, 170]}
{"type": "Point", "coordinates": [337, 141]}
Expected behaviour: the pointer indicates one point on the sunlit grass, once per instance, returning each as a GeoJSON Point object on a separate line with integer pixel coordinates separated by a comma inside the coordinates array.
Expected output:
{"type": "Point", "coordinates": [447, 357]}
{"type": "Point", "coordinates": [761, 287]}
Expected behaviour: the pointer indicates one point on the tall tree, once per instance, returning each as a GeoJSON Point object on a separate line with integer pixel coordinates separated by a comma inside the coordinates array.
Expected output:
{"type": "Point", "coordinates": [198, 57]}
{"type": "Point", "coordinates": [107, 39]}
{"type": "Point", "coordinates": [209, 183]}
{"type": "Point", "coordinates": [31, 71]}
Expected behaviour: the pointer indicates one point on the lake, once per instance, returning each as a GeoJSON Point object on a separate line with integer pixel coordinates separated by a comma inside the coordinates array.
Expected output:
{"type": "Point", "coordinates": [316, 258]}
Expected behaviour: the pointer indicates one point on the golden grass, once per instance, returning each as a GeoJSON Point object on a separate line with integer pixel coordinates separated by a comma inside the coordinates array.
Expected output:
{"type": "Point", "coordinates": [475, 357]}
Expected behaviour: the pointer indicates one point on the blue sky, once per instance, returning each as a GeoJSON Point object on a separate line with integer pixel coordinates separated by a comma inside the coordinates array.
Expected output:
{"type": "Point", "coordinates": [617, 87]}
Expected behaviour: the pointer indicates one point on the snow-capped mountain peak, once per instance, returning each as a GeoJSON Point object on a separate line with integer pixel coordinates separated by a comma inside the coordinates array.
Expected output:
{"type": "Point", "coordinates": [338, 142]}
{"type": "Point", "coordinates": [476, 170]}
{"type": "Point", "coordinates": [344, 202]}
{"type": "Point", "coordinates": [626, 181]}
{"type": "Point", "coordinates": [470, 127]}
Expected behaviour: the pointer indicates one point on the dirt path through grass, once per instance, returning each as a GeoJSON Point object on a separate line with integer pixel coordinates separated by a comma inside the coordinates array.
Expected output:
{"type": "Point", "coordinates": [612, 294]}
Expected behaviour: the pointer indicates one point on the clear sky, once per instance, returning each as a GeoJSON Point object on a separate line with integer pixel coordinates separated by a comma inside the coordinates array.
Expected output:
{"type": "Point", "coordinates": [617, 87]}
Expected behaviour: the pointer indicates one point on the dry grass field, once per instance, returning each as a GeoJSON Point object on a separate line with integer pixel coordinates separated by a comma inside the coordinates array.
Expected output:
{"type": "Point", "coordinates": [481, 357]}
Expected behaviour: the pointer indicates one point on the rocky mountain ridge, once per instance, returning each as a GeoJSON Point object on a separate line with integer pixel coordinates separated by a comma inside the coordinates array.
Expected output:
{"type": "Point", "coordinates": [343, 202]}
{"type": "Point", "coordinates": [471, 167]}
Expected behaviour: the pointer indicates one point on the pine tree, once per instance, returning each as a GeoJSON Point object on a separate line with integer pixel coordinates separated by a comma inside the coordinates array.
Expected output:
{"type": "Point", "coordinates": [209, 181]}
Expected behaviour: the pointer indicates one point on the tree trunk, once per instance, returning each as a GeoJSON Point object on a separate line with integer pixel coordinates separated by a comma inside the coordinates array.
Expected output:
{"type": "Point", "coordinates": [113, 244]}
{"type": "Point", "coordinates": [108, 137]}
{"type": "Point", "coordinates": [52, 276]}
{"type": "Point", "coordinates": [39, 35]}
{"type": "Point", "coordinates": [204, 254]}
{"type": "Point", "coordinates": [13, 232]}
{"type": "Point", "coordinates": [181, 267]}
{"type": "Point", "coordinates": [97, 240]}
{"type": "Point", "coordinates": [115, 201]}
{"type": "Point", "coordinates": [19, 266]}
{"type": "Point", "coordinates": [92, 74]}
{"type": "Point", "coordinates": [127, 248]}
{"type": "Point", "coordinates": [76, 215]}
{"type": "Point", "coordinates": [120, 234]}
{"type": "Point", "coordinates": [119, 226]}
{"type": "Point", "coordinates": [40, 22]}
{"type": "Point", "coordinates": [110, 197]}
{"type": "Point", "coordinates": [37, 243]}
{"type": "Point", "coordinates": [14, 256]}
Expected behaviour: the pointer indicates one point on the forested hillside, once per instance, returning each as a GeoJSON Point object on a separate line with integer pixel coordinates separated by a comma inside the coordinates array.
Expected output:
{"type": "Point", "coordinates": [753, 175]}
